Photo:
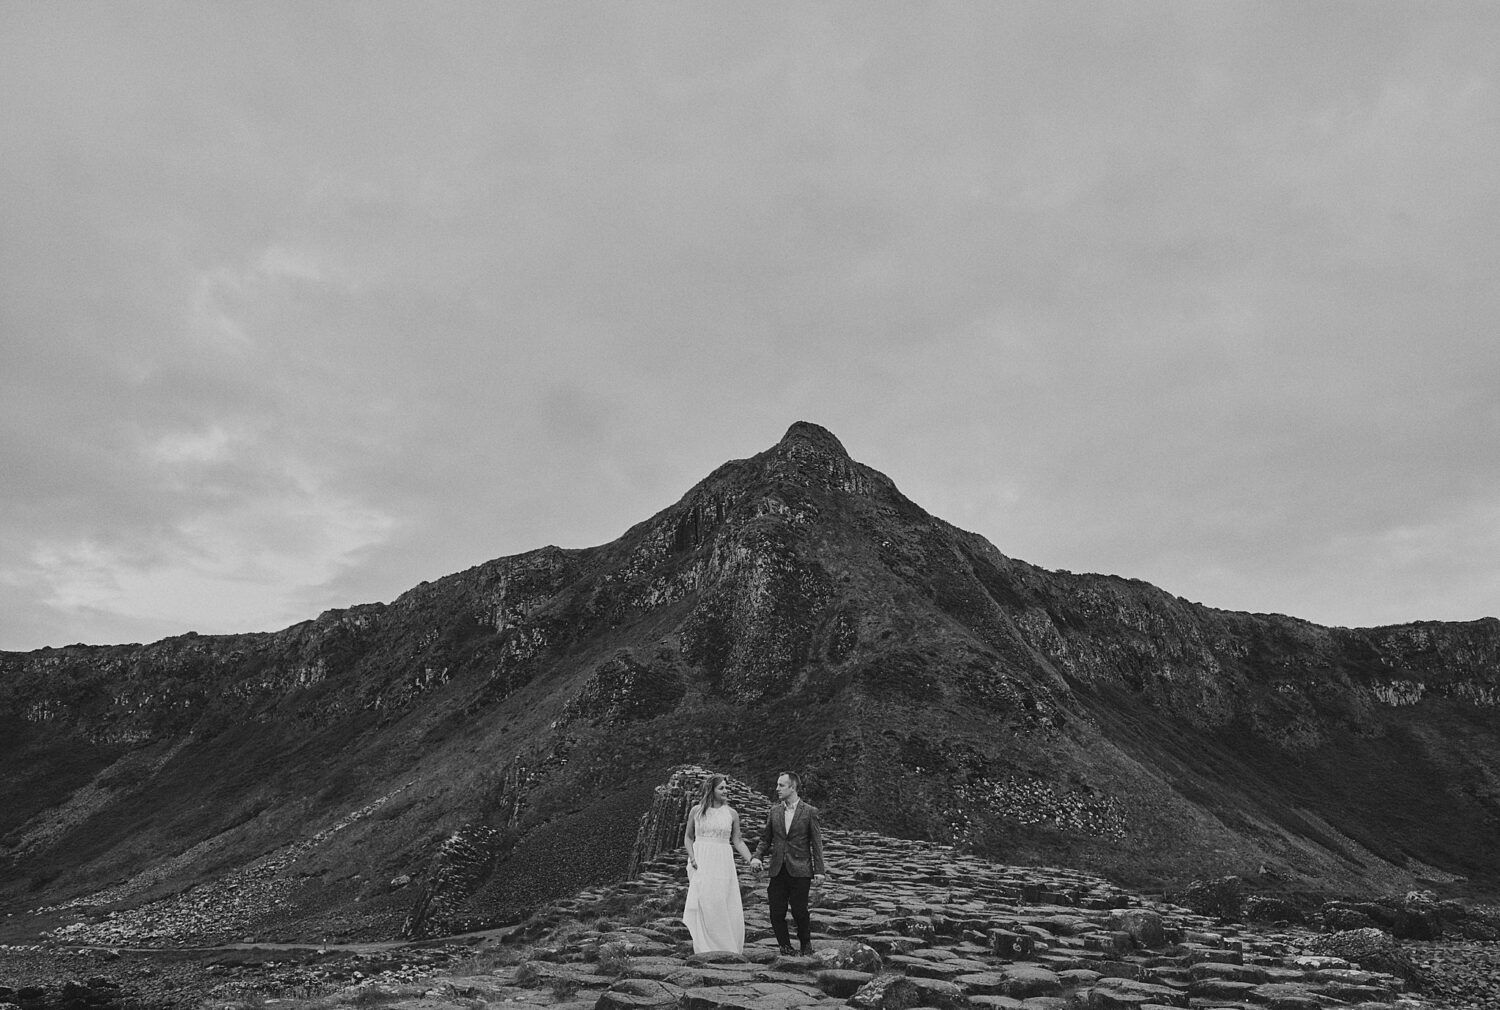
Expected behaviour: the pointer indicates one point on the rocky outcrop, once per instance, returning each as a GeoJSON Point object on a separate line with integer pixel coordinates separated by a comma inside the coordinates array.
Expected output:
{"type": "Point", "coordinates": [464, 860]}
{"type": "Point", "coordinates": [1368, 948]}
{"type": "Point", "coordinates": [663, 824]}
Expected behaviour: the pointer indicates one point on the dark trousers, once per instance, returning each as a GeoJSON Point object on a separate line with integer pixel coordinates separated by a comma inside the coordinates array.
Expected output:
{"type": "Point", "coordinates": [783, 890]}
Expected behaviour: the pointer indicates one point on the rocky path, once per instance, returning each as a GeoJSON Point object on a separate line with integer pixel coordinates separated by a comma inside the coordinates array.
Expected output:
{"type": "Point", "coordinates": [899, 925]}
{"type": "Point", "coordinates": [907, 924]}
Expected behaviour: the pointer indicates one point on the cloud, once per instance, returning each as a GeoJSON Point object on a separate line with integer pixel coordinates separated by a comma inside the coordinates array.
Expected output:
{"type": "Point", "coordinates": [307, 303]}
{"type": "Point", "coordinates": [225, 568]}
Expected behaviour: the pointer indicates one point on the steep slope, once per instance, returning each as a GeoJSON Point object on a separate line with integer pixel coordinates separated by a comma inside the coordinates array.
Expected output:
{"type": "Point", "coordinates": [490, 739]}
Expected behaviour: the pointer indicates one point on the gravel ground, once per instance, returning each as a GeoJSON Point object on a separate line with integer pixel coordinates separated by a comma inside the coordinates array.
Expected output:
{"type": "Point", "coordinates": [184, 980]}
{"type": "Point", "coordinates": [1462, 974]}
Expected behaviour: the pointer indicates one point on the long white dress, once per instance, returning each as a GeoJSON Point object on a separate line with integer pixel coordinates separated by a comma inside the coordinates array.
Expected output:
{"type": "Point", "coordinates": [713, 913]}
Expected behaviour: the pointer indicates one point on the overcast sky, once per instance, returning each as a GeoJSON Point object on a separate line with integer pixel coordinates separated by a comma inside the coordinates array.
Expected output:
{"type": "Point", "coordinates": [304, 303]}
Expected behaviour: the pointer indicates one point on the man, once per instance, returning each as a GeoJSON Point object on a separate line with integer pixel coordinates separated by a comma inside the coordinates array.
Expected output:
{"type": "Point", "coordinates": [796, 847]}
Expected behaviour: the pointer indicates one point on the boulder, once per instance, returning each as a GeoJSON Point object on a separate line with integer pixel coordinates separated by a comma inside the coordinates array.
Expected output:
{"type": "Point", "coordinates": [1144, 926]}
{"type": "Point", "coordinates": [1220, 897]}
{"type": "Point", "coordinates": [850, 955]}
{"type": "Point", "coordinates": [1371, 949]}
{"type": "Point", "coordinates": [1419, 917]}
{"type": "Point", "coordinates": [1340, 918]}
{"type": "Point", "coordinates": [885, 992]}
{"type": "Point", "coordinates": [1260, 908]}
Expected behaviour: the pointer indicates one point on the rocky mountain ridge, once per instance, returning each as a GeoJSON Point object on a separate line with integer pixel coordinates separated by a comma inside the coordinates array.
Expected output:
{"type": "Point", "coordinates": [493, 737]}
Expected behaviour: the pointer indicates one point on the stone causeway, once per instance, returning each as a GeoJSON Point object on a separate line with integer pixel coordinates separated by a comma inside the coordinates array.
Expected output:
{"type": "Point", "coordinates": [904, 924]}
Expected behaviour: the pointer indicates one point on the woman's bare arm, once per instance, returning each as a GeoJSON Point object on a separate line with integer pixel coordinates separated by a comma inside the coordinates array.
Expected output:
{"type": "Point", "coordinates": [735, 839]}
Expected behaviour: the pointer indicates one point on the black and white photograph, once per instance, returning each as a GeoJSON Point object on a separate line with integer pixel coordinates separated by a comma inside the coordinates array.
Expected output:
{"type": "Point", "coordinates": [924, 505]}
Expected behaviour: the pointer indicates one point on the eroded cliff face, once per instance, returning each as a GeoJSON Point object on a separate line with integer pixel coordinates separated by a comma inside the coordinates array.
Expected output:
{"type": "Point", "coordinates": [503, 729]}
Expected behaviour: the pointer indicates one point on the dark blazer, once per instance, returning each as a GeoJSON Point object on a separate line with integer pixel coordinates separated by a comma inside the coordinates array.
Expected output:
{"type": "Point", "coordinates": [800, 850]}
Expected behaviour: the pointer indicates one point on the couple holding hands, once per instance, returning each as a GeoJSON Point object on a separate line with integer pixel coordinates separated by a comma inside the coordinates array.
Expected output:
{"type": "Point", "coordinates": [713, 913]}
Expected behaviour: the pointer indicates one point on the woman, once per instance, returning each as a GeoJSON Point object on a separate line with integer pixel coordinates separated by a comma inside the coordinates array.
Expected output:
{"type": "Point", "coordinates": [713, 913]}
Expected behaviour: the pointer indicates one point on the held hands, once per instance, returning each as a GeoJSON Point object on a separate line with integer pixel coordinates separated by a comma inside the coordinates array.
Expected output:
{"type": "Point", "coordinates": [755, 864]}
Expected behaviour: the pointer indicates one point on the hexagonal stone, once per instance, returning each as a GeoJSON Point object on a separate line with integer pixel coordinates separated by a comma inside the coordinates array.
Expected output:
{"type": "Point", "coordinates": [1229, 972]}
{"type": "Point", "coordinates": [969, 964]}
{"type": "Point", "coordinates": [1355, 993]}
{"type": "Point", "coordinates": [752, 996]}
{"type": "Point", "coordinates": [1066, 925]}
{"type": "Point", "coordinates": [772, 975]}
{"type": "Point", "coordinates": [1284, 996]}
{"type": "Point", "coordinates": [1350, 976]}
{"type": "Point", "coordinates": [547, 972]}
{"type": "Point", "coordinates": [981, 983]}
{"type": "Point", "coordinates": [654, 968]}
{"type": "Point", "coordinates": [1024, 981]}
{"type": "Point", "coordinates": [1314, 961]}
{"type": "Point", "coordinates": [918, 926]}
{"type": "Point", "coordinates": [1144, 926]}
{"type": "Point", "coordinates": [1116, 943]}
{"type": "Point", "coordinates": [725, 974]}
{"type": "Point", "coordinates": [842, 982]}
{"type": "Point", "coordinates": [1221, 989]}
{"type": "Point", "coordinates": [716, 957]}
{"type": "Point", "coordinates": [1192, 953]}
{"type": "Point", "coordinates": [583, 1001]}
{"type": "Point", "coordinates": [638, 994]}
{"type": "Point", "coordinates": [1123, 994]}
{"type": "Point", "coordinates": [1110, 968]}
{"type": "Point", "coordinates": [1045, 1003]}
{"type": "Point", "coordinates": [1075, 977]}
{"type": "Point", "coordinates": [934, 992]}
{"type": "Point", "coordinates": [893, 943]}
{"type": "Point", "coordinates": [918, 967]}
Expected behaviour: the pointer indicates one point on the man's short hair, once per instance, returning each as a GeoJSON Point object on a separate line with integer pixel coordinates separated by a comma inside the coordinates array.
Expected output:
{"type": "Point", "coordinates": [794, 779]}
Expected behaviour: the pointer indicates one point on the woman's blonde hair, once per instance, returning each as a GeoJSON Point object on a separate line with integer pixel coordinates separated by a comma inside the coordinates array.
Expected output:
{"type": "Point", "coordinates": [707, 800]}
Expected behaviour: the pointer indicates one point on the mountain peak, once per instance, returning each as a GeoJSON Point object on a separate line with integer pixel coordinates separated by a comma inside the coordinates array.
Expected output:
{"type": "Point", "coordinates": [813, 436]}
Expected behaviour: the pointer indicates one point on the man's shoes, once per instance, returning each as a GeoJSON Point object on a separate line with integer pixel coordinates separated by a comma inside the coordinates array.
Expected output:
{"type": "Point", "coordinates": [807, 950]}
{"type": "Point", "coordinates": [786, 949]}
